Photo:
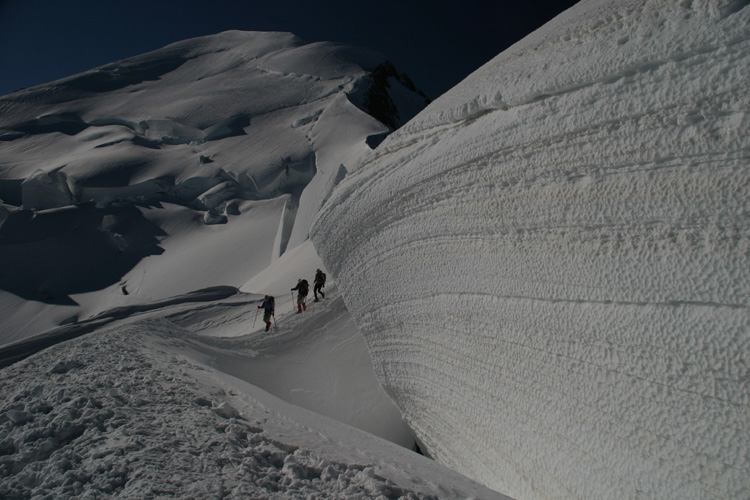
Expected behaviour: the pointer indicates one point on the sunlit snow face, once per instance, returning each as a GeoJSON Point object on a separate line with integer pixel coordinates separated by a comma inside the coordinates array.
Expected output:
{"type": "Point", "coordinates": [555, 259]}
{"type": "Point", "coordinates": [206, 155]}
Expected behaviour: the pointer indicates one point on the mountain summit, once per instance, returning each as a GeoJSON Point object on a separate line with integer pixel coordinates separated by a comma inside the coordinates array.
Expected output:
{"type": "Point", "coordinates": [169, 153]}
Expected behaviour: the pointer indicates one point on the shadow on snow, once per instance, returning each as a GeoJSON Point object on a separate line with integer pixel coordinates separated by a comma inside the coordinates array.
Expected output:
{"type": "Point", "coordinates": [52, 254]}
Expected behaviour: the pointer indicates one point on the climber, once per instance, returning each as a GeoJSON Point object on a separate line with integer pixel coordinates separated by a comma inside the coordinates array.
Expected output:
{"type": "Point", "coordinates": [320, 282]}
{"type": "Point", "coordinates": [302, 288]}
{"type": "Point", "coordinates": [268, 310]}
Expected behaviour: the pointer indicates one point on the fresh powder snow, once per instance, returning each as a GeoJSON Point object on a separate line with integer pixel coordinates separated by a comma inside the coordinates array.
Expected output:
{"type": "Point", "coordinates": [551, 263]}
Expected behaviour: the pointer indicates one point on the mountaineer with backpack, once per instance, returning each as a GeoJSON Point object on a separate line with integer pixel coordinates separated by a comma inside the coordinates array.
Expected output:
{"type": "Point", "coordinates": [320, 282]}
{"type": "Point", "coordinates": [268, 307]}
{"type": "Point", "coordinates": [302, 288]}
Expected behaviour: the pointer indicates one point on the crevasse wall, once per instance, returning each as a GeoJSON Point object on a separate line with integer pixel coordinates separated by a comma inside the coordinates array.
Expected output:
{"type": "Point", "coordinates": [551, 264]}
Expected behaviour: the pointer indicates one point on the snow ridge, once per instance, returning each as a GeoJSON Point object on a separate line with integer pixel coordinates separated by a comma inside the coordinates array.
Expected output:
{"type": "Point", "coordinates": [550, 263]}
{"type": "Point", "coordinates": [211, 154]}
{"type": "Point", "coordinates": [82, 420]}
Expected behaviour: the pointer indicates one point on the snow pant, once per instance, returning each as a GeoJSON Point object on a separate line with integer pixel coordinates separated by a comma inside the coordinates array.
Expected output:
{"type": "Point", "coordinates": [301, 302]}
{"type": "Point", "coordinates": [318, 289]}
{"type": "Point", "coordinates": [267, 318]}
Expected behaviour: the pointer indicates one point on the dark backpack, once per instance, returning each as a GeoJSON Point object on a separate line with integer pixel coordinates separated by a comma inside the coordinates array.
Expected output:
{"type": "Point", "coordinates": [270, 301]}
{"type": "Point", "coordinates": [304, 287]}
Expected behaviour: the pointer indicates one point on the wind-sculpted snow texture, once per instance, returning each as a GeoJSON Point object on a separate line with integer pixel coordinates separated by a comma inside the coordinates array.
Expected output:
{"type": "Point", "coordinates": [551, 263]}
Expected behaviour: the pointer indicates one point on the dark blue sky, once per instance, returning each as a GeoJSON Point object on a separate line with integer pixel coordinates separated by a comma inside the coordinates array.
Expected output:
{"type": "Point", "coordinates": [436, 42]}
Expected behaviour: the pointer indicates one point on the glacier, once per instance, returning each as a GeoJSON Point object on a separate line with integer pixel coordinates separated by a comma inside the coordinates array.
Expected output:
{"type": "Point", "coordinates": [147, 207]}
{"type": "Point", "coordinates": [196, 165]}
{"type": "Point", "coordinates": [551, 263]}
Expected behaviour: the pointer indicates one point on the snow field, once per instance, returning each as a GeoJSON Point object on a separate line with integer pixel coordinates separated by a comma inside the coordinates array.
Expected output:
{"type": "Point", "coordinates": [550, 263]}
{"type": "Point", "coordinates": [138, 197]}
{"type": "Point", "coordinates": [210, 155]}
{"type": "Point", "coordinates": [119, 416]}
{"type": "Point", "coordinates": [133, 411]}
{"type": "Point", "coordinates": [316, 360]}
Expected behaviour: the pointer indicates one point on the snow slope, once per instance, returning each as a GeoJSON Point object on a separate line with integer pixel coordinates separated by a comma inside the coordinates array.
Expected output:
{"type": "Point", "coordinates": [147, 207]}
{"type": "Point", "coordinates": [210, 155]}
{"type": "Point", "coordinates": [189, 398]}
{"type": "Point", "coordinates": [138, 409]}
{"type": "Point", "coordinates": [551, 263]}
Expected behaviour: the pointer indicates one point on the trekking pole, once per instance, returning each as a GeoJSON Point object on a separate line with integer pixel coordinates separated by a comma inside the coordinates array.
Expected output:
{"type": "Point", "coordinates": [292, 300]}
{"type": "Point", "coordinates": [256, 317]}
